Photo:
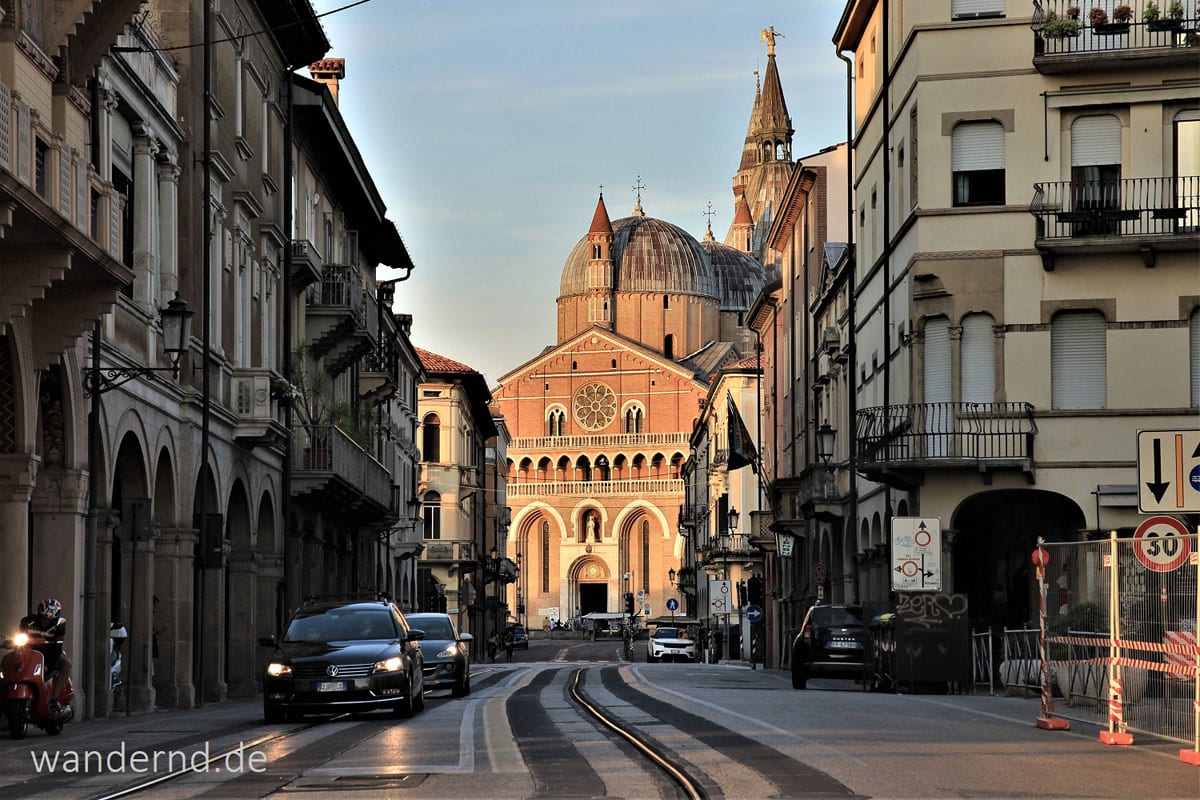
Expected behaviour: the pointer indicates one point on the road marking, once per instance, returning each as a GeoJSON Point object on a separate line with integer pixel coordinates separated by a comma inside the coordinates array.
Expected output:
{"type": "Point", "coordinates": [503, 754]}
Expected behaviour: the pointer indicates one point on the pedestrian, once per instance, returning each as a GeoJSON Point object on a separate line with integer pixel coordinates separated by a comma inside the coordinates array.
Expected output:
{"type": "Point", "coordinates": [508, 644]}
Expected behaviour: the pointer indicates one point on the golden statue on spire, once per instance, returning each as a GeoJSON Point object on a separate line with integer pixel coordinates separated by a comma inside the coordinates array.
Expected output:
{"type": "Point", "coordinates": [768, 36]}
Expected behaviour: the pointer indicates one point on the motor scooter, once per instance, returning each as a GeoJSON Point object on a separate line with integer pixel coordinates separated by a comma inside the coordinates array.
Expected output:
{"type": "Point", "coordinates": [23, 689]}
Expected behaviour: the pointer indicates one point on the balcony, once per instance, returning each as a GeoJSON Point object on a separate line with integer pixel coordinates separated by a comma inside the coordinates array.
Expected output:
{"type": "Point", "coordinates": [728, 547]}
{"type": "Point", "coordinates": [333, 474]}
{"type": "Point", "coordinates": [595, 488]}
{"type": "Point", "coordinates": [378, 376]}
{"type": "Point", "coordinates": [556, 443]}
{"type": "Point", "coordinates": [1064, 45]}
{"type": "Point", "coordinates": [814, 493]}
{"type": "Point", "coordinates": [306, 264]}
{"type": "Point", "coordinates": [448, 551]}
{"type": "Point", "coordinates": [896, 444]}
{"type": "Point", "coordinates": [340, 324]}
{"type": "Point", "coordinates": [254, 408]}
{"type": "Point", "coordinates": [1132, 215]}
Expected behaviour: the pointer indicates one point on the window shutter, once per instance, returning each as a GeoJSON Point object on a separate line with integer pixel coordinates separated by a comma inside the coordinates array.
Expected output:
{"type": "Point", "coordinates": [1096, 140]}
{"type": "Point", "coordinates": [965, 9]}
{"type": "Point", "coordinates": [978, 360]}
{"type": "Point", "coordinates": [937, 361]}
{"type": "Point", "coordinates": [977, 146]}
{"type": "Point", "coordinates": [1194, 352]}
{"type": "Point", "coordinates": [1078, 362]}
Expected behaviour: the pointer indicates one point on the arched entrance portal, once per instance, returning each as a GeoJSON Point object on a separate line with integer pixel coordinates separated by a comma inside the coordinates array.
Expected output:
{"type": "Point", "coordinates": [589, 579]}
{"type": "Point", "coordinates": [996, 533]}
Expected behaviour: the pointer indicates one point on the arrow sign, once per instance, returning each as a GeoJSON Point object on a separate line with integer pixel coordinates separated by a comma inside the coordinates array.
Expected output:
{"type": "Point", "coordinates": [754, 613]}
{"type": "Point", "coordinates": [1157, 486]}
{"type": "Point", "coordinates": [1168, 476]}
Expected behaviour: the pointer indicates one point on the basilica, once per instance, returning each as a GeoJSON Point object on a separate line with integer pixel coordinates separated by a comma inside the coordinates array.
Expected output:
{"type": "Point", "coordinates": [601, 420]}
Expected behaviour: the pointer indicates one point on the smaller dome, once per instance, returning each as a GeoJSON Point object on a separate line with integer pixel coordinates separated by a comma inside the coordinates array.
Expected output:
{"type": "Point", "coordinates": [739, 277]}
{"type": "Point", "coordinates": [649, 255]}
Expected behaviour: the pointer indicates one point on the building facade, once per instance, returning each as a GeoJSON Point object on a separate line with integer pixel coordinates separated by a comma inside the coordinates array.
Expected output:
{"type": "Point", "coordinates": [1025, 285]}
{"type": "Point", "coordinates": [191, 504]}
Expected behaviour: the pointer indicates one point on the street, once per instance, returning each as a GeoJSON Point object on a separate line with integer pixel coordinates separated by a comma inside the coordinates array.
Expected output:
{"type": "Point", "coordinates": [739, 733]}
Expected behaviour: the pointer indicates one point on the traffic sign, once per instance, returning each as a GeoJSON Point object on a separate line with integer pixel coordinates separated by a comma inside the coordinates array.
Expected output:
{"type": "Point", "coordinates": [641, 595]}
{"type": "Point", "coordinates": [916, 554]}
{"type": "Point", "coordinates": [1162, 544]}
{"type": "Point", "coordinates": [819, 574]}
{"type": "Point", "coordinates": [719, 600]}
{"type": "Point", "coordinates": [1168, 471]}
{"type": "Point", "coordinates": [672, 604]}
{"type": "Point", "coordinates": [754, 613]}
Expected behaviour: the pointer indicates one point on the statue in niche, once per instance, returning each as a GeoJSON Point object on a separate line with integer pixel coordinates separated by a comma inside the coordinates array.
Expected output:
{"type": "Point", "coordinates": [593, 535]}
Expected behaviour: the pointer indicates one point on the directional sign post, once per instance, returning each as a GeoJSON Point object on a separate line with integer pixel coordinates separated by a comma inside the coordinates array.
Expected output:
{"type": "Point", "coordinates": [672, 606]}
{"type": "Point", "coordinates": [916, 554]}
{"type": "Point", "coordinates": [754, 613]}
{"type": "Point", "coordinates": [1168, 471]}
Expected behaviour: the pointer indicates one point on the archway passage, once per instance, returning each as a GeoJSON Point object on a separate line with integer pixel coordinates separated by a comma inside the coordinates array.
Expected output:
{"type": "Point", "coordinates": [997, 532]}
{"type": "Point", "coordinates": [593, 597]}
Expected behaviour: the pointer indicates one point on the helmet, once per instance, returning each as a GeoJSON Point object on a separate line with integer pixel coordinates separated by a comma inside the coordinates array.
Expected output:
{"type": "Point", "coordinates": [49, 608]}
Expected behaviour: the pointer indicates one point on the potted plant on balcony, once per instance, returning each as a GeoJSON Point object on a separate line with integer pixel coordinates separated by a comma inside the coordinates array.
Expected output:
{"type": "Point", "coordinates": [1055, 27]}
{"type": "Point", "coordinates": [1154, 20]}
{"type": "Point", "coordinates": [1098, 17]}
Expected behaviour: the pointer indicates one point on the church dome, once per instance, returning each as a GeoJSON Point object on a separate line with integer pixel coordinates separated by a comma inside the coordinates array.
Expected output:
{"type": "Point", "coordinates": [739, 276]}
{"type": "Point", "coordinates": [649, 255]}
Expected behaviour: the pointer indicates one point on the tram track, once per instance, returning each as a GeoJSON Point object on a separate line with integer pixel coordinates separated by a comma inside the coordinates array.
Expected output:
{"type": "Point", "coordinates": [654, 753]}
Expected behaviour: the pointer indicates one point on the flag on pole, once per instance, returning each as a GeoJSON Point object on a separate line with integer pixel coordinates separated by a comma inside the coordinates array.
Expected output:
{"type": "Point", "coordinates": [741, 446]}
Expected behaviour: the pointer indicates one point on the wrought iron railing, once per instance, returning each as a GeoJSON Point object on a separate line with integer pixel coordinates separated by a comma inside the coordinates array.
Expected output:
{"type": "Point", "coordinates": [726, 545]}
{"type": "Point", "coordinates": [1066, 27]}
{"type": "Point", "coordinates": [1125, 207]}
{"type": "Point", "coordinates": [327, 449]}
{"type": "Point", "coordinates": [946, 432]}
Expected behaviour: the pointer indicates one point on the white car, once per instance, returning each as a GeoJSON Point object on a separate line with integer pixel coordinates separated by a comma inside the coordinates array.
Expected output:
{"type": "Point", "coordinates": [672, 644]}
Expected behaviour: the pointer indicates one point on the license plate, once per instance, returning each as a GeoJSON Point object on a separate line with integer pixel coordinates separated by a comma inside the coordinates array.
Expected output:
{"type": "Point", "coordinates": [836, 645]}
{"type": "Point", "coordinates": [331, 686]}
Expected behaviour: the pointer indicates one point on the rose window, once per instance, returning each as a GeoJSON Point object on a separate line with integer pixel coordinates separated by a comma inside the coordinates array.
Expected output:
{"type": "Point", "coordinates": [595, 406]}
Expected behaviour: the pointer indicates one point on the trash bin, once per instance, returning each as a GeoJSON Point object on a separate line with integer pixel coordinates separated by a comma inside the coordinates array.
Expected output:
{"type": "Point", "coordinates": [930, 646]}
{"type": "Point", "coordinates": [882, 665]}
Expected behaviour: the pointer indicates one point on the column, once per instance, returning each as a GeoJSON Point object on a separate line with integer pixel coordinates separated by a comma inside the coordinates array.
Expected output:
{"type": "Point", "coordinates": [18, 471]}
{"type": "Point", "coordinates": [174, 568]}
{"type": "Point", "coordinates": [168, 231]}
{"type": "Point", "coordinates": [105, 525]}
{"type": "Point", "coordinates": [139, 648]}
{"type": "Point", "coordinates": [243, 623]}
{"type": "Point", "coordinates": [213, 619]}
{"type": "Point", "coordinates": [58, 514]}
{"type": "Point", "coordinates": [145, 216]}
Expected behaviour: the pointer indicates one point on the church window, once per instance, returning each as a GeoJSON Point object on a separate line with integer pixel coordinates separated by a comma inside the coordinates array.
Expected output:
{"type": "Point", "coordinates": [646, 555]}
{"type": "Point", "coordinates": [602, 468]}
{"type": "Point", "coordinates": [555, 422]}
{"type": "Point", "coordinates": [596, 251]}
{"type": "Point", "coordinates": [669, 346]}
{"type": "Point", "coordinates": [614, 363]}
{"type": "Point", "coordinates": [574, 365]}
{"type": "Point", "coordinates": [666, 301]}
{"type": "Point", "coordinates": [633, 419]}
{"type": "Point", "coordinates": [545, 556]}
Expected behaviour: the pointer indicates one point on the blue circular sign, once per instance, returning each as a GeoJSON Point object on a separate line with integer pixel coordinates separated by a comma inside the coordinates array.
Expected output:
{"type": "Point", "coordinates": [1194, 477]}
{"type": "Point", "coordinates": [754, 613]}
{"type": "Point", "coordinates": [672, 604]}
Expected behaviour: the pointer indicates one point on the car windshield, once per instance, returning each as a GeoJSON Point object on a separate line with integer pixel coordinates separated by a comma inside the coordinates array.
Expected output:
{"type": "Point", "coordinates": [342, 624]}
{"type": "Point", "coordinates": [434, 627]}
{"type": "Point", "coordinates": [837, 617]}
{"type": "Point", "coordinates": [669, 633]}
{"type": "Point", "coordinates": [518, 631]}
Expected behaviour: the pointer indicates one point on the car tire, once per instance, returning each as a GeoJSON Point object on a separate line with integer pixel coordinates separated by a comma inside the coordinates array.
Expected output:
{"type": "Point", "coordinates": [405, 708]}
{"type": "Point", "coordinates": [272, 714]}
{"type": "Point", "coordinates": [419, 701]}
{"type": "Point", "coordinates": [799, 679]}
{"type": "Point", "coordinates": [463, 687]}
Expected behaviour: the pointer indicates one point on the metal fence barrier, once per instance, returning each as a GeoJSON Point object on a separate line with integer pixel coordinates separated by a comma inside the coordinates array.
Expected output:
{"type": "Point", "coordinates": [981, 661]}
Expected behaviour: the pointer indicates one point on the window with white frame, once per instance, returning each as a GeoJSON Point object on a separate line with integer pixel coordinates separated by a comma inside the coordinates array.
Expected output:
{"type": "Point", "coordinates": [976, 9]}
{"type": "Point", "coordinates": [431, 514]}
{"type": "Point", "coordinates": [1078, 360]}
{"type": "Point", "coordinates": [1096, 172]}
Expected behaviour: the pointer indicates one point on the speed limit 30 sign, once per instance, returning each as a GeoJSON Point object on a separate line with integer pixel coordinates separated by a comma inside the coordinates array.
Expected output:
{"type": "Point", "coordinates": [1162, 544]}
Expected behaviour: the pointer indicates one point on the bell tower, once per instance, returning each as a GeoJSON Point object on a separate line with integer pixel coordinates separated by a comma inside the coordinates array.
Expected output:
{"type": "Point", "coordinates": [600, 288]}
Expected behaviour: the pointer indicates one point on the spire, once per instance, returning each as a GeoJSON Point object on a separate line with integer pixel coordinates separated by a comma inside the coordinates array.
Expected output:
{"type": "Point", "coordinates": [708, 234]}
{"type": "Point", "coordinates": [741, 230]}
{"type": "Point", "coordinates": [750, 148]}
{"type": "Point", "coordinates": [600, 220]}
{"type": "Point", "coordinates": [773, 120]}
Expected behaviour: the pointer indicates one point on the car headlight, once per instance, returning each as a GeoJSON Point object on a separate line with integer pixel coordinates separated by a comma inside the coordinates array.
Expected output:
{"type": "Point", "coordinates": [275, 669]}
{"type": "Point", "coordinates": [389, 665]}
{"type": "Point", "coordinates": [450, 652]}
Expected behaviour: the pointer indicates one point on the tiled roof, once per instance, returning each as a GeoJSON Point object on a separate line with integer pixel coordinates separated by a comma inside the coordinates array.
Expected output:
{"type": "Point", "coordinates": [432, 362]}
{"type": "Point", "coordinates": [600, 221]}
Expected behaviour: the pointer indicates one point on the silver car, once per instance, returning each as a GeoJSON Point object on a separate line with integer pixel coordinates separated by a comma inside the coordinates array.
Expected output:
{"type": "Point", "coordinates": [446, 652]}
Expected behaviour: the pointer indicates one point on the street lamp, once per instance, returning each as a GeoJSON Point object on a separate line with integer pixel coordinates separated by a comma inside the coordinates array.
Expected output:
{"type": "Point", "coordinates": [733, 516]}
{"type": "Point", "coordinates": [671, 576]}
{"type": "Point", "coordinates": [177, 332]}
{"type": "Point", "coordinates": [826, 436]}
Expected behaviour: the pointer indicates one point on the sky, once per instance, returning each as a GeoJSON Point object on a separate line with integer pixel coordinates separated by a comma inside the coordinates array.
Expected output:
{"type": "Point", "coordinates": [489, 129]}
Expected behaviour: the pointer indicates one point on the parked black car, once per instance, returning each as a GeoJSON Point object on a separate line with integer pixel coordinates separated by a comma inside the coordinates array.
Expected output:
{"type": "Point", "coordinates": [832, 643]}
{"type": "Point", "coordinates": [446, 652]}
{"type": "Point", "coordinates": [344, 656]}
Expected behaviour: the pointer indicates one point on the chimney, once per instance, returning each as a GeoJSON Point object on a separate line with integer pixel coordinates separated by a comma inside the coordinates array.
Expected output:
{"type": "Point", "coordinates": [329, 71]}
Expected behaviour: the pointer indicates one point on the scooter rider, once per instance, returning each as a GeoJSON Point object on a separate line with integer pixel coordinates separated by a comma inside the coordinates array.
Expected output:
{"type": "Point", "coordinates": [49, 627]}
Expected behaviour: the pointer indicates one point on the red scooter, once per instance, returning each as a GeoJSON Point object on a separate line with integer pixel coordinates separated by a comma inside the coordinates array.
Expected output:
{"type": "Point", "coordinates": [23, 689]}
